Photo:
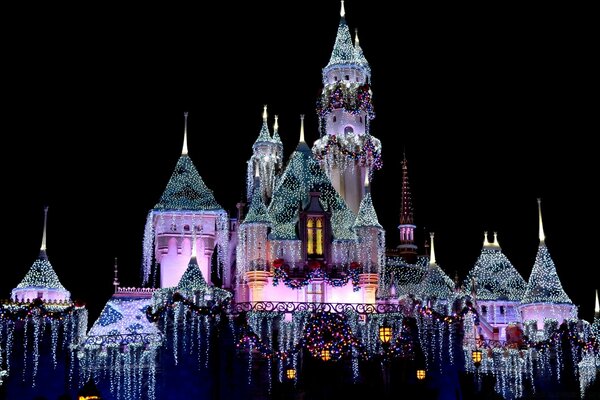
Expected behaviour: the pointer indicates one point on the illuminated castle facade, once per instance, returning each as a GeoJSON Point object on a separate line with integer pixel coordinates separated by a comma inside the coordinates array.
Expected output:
{"type": "Point", "coordinates": [310, 238]}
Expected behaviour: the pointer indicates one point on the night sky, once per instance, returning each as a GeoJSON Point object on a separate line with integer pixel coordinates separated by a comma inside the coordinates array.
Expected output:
{"type": "Point", "coordinates": [492, 105]}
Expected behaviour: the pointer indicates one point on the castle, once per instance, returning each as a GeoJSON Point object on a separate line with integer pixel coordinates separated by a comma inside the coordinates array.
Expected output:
{"type": "Point", "coordinates": [309, 244]}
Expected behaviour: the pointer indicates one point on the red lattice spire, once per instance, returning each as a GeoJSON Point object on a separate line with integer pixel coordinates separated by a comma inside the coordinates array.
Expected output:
{"type": "Point", "coordinates": [407, 247]}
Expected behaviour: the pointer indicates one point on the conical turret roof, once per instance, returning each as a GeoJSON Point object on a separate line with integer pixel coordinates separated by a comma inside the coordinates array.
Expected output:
{"type": "Point", "coordinates": [494, 275]}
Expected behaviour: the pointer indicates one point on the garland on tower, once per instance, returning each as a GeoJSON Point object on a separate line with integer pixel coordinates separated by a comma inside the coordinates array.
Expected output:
{"type": "Point", "coordinates": [280, 275]}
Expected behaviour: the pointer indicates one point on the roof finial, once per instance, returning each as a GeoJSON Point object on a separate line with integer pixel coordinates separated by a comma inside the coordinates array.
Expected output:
{"type": "Point", "coordinates": [541, 226]}
{"type": "Point", "coordinates": [302, 124]}
{"type": "Point", "coordinates": [367, 183]}
{"type": "Point", "coordinates": [116, 282]}
{"type": "Point", "coordinates": [431, 251]}
{"type": "Point", "coordinates": [43, 247]}
{"type": "Point", "coordinates": [276, 124]}
{"type": "Point", "coordinates": [496, 243]}
{"type": "Point", "coordinates": [342, 10]}
{"type": "Point", "coordinates": [356, 43]}
{"type": "Point", "coordinates": [597, 306]}
{"type": "Point", "coordinates": [265, 113]}
{"type": "Point", "coordinates": [486, 242]}
{"type": "Point", "coordinates": [184, 151]}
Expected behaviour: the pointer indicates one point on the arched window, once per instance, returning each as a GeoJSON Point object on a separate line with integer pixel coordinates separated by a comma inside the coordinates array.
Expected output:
{"type": "Point", "coordinates": [348, 129]}
{"type": "Point", "coordinates": [314, 236]}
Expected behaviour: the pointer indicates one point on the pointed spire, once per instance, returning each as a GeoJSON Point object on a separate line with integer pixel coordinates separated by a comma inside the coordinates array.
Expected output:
{"type": "Point", "coordinates": [597, 306]}
{"type": "Point", "coordinates": [406, 209]}
{"type": "Point", "coordinates": [43, 246]}
{"type": "Point", "coordinates": [494, 244]}
{"type": "Point", "coordinates": [541, 224]}
{"type": "Point", "coordinates": [264, 135]}
{"type": "Point", "coordinates": [367, 217]}
{"type": "Point", "coordinates": [184, 150]}
{"type": "Point", "coordinates": [302, 124]}
{"type": "Point", "coordinates": [486, 242]}
{"type": "Point", "coordinates": [343, 49]}
{"type": "Point", "coordinates": [359, 56]}
{"type": "Point", "coordinates": [257, 213]}
{"type": "Point", "coordinates": [367, 183]}
{"type": "Point", "coordinates": [432, 260]}
{"type": "Point", "coordinates": [276, 137]}
{"type": "Point", "coordinates": [116, 282]}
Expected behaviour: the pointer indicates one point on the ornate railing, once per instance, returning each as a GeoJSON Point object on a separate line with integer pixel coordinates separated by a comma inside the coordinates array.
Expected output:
{"type": "Point", "coordinates": [490, 343]}
{"type": "Point", "coordinates": [291, 307]}
{"type": "Point", "coordinates": [124, 339]}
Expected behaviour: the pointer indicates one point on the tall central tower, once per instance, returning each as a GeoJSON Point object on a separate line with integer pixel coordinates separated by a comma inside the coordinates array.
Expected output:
{"type": "Point", "coordinates": [346, 150]}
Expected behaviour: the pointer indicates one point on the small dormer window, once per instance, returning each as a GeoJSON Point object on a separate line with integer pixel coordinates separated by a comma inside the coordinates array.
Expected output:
{"type": "Point", "coordinates": [335, 78]}
{"type": "Point", "coordinates": [173, 227]}
{"type": "Point", "coordinates": [186, 228]}
{"type": "Point", "coordinates": [347, 77]}
{"type": "Point", "coordinates": [360, 118]}
{"type": "Point", "coordinates": [484, 310]}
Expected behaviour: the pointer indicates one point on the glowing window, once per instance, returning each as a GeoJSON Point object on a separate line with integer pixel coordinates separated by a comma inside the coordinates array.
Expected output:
{"type": "Point", "coordinates": [314, 236]}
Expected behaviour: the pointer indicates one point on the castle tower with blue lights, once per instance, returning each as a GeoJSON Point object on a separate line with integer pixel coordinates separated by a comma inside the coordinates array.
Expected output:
{"type": "Point", "coordinates": [544, 296]}
{"type": "Point", "coordinates": [346, 149]}
{"type": "Point", "coordinates": [266, 160]}
{"type": "Point", "coordinates": [498, 289]}
{"type": "Point", "coordinates": [187, 209]}
{"type": "Point", "coordinates": [41, 281]}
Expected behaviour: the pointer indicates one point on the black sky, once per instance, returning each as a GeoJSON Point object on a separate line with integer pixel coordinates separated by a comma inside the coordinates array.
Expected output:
{"type": "Point", "coordinates": [494, 106]}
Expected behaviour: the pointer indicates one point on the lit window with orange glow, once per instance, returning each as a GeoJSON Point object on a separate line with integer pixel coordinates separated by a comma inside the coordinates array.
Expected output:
{"type": "Point", "coordinates": [314, 236]}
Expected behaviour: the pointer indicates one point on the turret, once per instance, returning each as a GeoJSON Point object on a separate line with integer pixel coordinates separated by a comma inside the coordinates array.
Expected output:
{"type": "Point", "coordinates": [371, 244]}
{"type": "Point", "coordinates": [267, 159]}
{"type": "Point", "coordinates": [346, 150]}
{"type": "Point", "coordinates": [186, 210]}
{"type": "Point", "coordinates": [407, 247]}
{"type": "Point", "coordinates": [544, 296]}
{"type": "Point", "coordinates": [41, 282]}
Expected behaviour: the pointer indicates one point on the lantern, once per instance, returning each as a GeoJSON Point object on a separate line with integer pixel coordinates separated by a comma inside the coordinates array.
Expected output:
{"type": "Point", "coordinates": [290, 373]}
{"type": "Point", "coordinates": [325, 355]}
{"type": "Point", "coordinates": [477, 356]}
{"type": "Point", "coordinates": [385, 334]}
{"type": "Point", "coordinates": [421, 374]}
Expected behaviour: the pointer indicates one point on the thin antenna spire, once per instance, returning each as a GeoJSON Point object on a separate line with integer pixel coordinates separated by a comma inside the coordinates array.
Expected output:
{"type": "Point", "coordinates": [432, 260]}
{"type": "Point", "coordinates": [302, 123]}
{"type": "Point", "coordinates": [116, 282]}
{"type": "Point", "coordinates": [342, 10]}
{"type": "Point", "coordinates": [43, 247]}
{"type": "Point", "coordinates": [184, 151]}
{"type": "Point", "coordinates": [541, 225]}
